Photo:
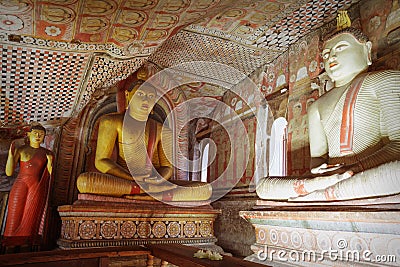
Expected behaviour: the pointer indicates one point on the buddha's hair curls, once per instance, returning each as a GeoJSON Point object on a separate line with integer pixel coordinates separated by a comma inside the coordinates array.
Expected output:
{"type": "Point", "coordinates": [37, 126]}
{"type": "Point", "coordinates": [360, 36]}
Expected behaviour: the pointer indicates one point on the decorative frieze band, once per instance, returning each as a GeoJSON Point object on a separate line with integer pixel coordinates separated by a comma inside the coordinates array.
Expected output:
{"type": "Point", "coordinates": [78, 232]}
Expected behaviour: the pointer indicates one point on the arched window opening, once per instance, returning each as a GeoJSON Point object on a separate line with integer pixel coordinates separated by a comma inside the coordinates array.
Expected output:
{"type": "Point", "coordinates": [204, 163]}
{"type": "Point", "coordinates": [277, 149]}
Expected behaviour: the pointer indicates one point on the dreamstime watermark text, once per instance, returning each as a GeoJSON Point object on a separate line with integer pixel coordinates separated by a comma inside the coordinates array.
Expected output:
{"type": "Point", "coordinates": [340, 254]}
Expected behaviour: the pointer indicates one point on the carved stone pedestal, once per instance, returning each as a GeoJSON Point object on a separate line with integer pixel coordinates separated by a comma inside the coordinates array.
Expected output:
{"type": "Point", "coordinates": [102, 222]}
{"type": "Point", "coordinates": [292, 234]}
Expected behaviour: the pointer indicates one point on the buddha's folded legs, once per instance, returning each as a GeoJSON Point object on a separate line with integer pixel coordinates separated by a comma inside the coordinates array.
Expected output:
{"type": "Point", "coordinates": [381, 181]}
{"type": "Point", "coordinates": [283, 188]}
{"type": "Point", "coordinates": [189, 191]}
{"type": "Point", "coordinates": [105, 184]}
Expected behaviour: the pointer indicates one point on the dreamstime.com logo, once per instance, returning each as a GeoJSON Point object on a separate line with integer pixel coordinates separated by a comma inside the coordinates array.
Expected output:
{"type": "Point", "coordinates": [340, 254]}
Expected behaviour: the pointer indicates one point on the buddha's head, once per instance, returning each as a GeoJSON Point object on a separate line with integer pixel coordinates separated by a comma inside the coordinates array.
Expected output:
{"type": "Point", "coordinates": [36, 135]}
{"type": "Point", "coordinates": [140, 97]}
{"type": "Point", "coordinates": [346, 53]}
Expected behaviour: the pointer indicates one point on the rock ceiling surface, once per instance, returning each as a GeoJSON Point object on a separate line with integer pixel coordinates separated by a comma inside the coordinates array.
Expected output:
{"type": "Point", "coordinates": [56, 53]}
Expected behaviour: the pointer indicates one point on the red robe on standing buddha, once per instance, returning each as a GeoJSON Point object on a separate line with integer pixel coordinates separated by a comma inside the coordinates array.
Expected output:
{"type": "Point", "coordinates": [28, 201]}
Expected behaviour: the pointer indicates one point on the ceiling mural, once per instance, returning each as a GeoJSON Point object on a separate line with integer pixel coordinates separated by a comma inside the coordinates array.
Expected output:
{"type": "Point", "coordinates": [105, 73]}
{"type": "Point", "coordinates": [199, 89]}
{"type": "Point", "coordinates": [188, 47]}
{"type": "Point", "coordinates": [272, 25]}
{"type": "Point", "coordinates": [134, 26]}
{"type": "Point", "coordinates": [247, 20]}
{"type": "Point", "coordinates": [80, 46]}
{"type": "Point", "coordinates": [203, 92]}
{"type": "Point", "coordinates": [22, 96]}
{"type": "Point", "coordinates": [137, 27]}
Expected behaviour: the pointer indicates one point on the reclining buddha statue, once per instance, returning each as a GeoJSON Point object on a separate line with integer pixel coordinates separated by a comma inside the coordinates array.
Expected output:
{"type": "Point", "coordinates": [354, 130]}
{"type": "Point", "coordinates": [143, 168]}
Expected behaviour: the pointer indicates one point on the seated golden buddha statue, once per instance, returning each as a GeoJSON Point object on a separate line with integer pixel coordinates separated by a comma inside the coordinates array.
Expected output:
{"type": "Point", "coordinates": [354, 130]}
{"type": "Point", "coordinates": [144, 148]}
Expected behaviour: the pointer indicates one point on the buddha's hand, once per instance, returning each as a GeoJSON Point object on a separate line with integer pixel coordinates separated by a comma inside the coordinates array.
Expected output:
{"type": "Point", "coordinates": [322, 182]}
{"type": "Point", "coordinates": [49, 157]}
{"type": "Point", "coordinates": [141, 178]}
{"type": "Point", "coordinates": [12, 148]}
{"type": "Point", "coordinates": [323, 168]}
{"type": "Point", "coordinates": [49, 162]}
{"type": "Point", "coordinates": [154, 180]}
{"type": "Point", "coordinates": [158, 188]}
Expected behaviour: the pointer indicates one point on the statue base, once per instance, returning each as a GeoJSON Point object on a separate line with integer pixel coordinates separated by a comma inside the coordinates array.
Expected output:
{"type": "Point", "coordinates": [307, 234]}
{"type": "Point", "coordinates": [96, 221]}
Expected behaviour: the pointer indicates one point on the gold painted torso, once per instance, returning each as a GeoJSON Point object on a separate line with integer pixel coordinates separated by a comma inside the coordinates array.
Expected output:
{"type": "Point", "coordinates": [132, 151]}
{"type": "Point", "coordinates": [133, 143]}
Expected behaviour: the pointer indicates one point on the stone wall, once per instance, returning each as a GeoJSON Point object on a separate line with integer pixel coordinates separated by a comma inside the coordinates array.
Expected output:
{"type": "Point", "coordinates": [235, 235]}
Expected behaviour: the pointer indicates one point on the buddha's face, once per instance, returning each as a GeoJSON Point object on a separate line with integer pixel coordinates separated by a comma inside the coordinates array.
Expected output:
{"type": "Point", "coordinates": [141, 102]}
{"type": "Point", "coordinates": [345, 57]}
{"type": "Point", "coordinates": [36, 137]}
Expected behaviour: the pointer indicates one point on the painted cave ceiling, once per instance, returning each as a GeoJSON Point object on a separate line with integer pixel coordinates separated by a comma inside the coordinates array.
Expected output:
{"type": "Point", "coordinates": [56, 53]}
